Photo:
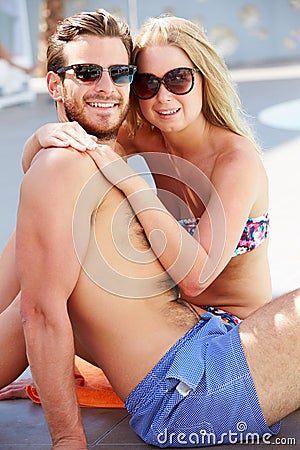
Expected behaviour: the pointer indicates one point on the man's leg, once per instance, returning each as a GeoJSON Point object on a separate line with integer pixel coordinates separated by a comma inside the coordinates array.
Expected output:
{"type": "Point", "coordinates": [271, 341]}
{"type": "Point", "coordinates": [9, 284]}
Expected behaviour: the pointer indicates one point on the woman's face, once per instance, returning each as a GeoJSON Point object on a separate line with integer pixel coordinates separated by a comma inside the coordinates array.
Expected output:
{"type": "Point", "coordinates": [167, 111]}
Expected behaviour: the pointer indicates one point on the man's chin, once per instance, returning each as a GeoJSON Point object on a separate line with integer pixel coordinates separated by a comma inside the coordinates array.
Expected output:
{"type": "Point", "coordinates": [107, 136]}
{"type": "Point", "coordinates": [103, 126]}
{"type": "Point", "coordinates": [103, 131]}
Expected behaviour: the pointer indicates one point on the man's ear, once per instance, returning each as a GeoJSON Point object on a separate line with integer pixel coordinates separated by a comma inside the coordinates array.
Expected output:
{"type": "Point", "coordinates": [54, 86]}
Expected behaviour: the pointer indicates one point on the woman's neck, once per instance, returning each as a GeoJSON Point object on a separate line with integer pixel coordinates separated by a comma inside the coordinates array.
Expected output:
{"type": "Point", "coordinates": [192, 140]}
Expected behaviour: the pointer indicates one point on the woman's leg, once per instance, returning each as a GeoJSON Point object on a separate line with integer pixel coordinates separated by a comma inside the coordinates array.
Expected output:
{"type": "Point", "coordinates": [14, 362]}
{"type": "Point", "coordinates": [271, 341]}
{"type": "Point", "coordinates": [13, 359]}
{"type": "Point", "coordinates": [9, 284]}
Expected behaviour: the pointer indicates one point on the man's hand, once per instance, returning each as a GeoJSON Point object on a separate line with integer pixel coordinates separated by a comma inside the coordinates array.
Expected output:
{"type": "Point", "coordinates": [17, 389]}
{"type": "Point", "coordinates": [70, 445]}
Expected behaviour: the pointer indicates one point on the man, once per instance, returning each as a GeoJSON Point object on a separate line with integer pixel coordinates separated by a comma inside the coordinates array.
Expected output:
{"type": "Point", "coordinates": [90, 284]}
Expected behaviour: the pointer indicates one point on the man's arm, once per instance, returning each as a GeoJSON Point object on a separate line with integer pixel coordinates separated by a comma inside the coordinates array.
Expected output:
{"type": "Point", "coordinates": [48, 269]}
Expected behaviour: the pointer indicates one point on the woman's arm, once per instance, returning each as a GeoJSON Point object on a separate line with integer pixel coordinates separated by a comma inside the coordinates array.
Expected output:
{"type": "Point", "coordinates": [66, 134]}
{"type": "Point", "coordinates": [193, 264]}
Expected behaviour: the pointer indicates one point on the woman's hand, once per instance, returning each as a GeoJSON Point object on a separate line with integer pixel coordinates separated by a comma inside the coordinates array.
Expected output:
{"type": "Point", "coordinates": [17, 389]}
{"type": "Point", "coordinates": [113, 166]}
{"type": "Point", "coordinates": [64, 134]}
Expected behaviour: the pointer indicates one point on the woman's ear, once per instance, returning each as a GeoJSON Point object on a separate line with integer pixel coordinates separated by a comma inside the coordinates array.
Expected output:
{"type": "Point", "coordinates": [54, 86]}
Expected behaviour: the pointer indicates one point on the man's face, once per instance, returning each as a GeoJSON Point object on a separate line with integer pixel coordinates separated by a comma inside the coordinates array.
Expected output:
{"type": "Point", "coordinates": [100, 108]}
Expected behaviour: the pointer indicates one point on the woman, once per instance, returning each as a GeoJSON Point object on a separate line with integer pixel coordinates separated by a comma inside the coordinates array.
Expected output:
{"type": "Point", "coordinates": [187, 123]}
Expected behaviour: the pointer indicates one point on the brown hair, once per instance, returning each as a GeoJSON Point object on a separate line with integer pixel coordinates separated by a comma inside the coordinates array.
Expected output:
{"type": "Point", "coordinates": [98, 22]}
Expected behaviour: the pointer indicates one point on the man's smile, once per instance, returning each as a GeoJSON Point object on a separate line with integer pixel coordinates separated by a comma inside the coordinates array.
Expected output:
{"type": "Point", "coordinates": [102, 105]}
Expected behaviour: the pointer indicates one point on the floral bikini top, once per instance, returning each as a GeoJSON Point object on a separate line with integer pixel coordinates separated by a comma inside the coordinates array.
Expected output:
{"type": "Point", "coordinates": [254, 233]}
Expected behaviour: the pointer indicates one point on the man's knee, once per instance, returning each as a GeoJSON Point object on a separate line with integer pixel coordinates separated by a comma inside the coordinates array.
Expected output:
{"type": "Point", "coordinates": [292, 295]}
{"type": "Point", "coordinates": [290, 303]}
{"type": "Point", "coordinates": [296, 293]}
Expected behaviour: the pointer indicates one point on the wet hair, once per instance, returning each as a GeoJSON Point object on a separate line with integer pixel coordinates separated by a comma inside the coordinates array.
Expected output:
{"type": "Point", "coordinates": [98, 22]}
{"type": "Point", "coordinates": [221, 103]}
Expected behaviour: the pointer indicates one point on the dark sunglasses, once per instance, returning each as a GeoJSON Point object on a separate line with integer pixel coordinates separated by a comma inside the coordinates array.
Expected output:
{"type": "Point", "coordinates": [179, 81]}
{"type": "Point", "coordinates": [121, 74]}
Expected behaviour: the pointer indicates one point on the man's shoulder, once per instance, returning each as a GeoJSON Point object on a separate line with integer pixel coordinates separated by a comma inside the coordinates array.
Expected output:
{"type": "Point", "coordinates": [61, 164]}
{"type": "Point", "coordinates": [57, 157]}
{"type": "Point", "coordinates": [60, 175]}
{"type": "Point", "coordinates": [58, 170]}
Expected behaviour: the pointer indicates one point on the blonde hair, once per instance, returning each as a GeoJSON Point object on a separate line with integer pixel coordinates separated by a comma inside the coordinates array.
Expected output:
{"type": "Point", "coordinates": [221, 103]}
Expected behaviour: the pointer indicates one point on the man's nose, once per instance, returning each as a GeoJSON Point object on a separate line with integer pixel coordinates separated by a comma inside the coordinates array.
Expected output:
{"type": "Point", "coordinates": [105, 83]}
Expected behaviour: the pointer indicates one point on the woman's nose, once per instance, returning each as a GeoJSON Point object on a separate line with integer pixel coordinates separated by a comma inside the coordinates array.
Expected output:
{"type": "Point", "coordinates": [163, 93]}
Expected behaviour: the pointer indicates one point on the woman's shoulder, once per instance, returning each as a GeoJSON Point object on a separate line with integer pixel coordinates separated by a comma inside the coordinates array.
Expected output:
{"type": "Point", "coordinates": [238, 159]}
{"type": "Point", "coordinates": [145, 139]}
{"type": "Point", "coordinates": [233, 147]}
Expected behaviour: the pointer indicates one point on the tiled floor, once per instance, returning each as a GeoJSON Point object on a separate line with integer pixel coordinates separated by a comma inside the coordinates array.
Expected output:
{"type": "Point", "coordinates": [22, 423]}
{"type": "Point", "coordinates": [23, 426]}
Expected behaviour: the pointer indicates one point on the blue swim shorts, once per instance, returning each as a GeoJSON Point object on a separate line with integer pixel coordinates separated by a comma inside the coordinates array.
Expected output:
{"type": "Point", "coordinates": [200, 393]}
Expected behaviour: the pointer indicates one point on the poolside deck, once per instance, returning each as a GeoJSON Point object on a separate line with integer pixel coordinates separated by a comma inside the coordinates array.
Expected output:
{"type": "Point", "coordinates": [22, 423]}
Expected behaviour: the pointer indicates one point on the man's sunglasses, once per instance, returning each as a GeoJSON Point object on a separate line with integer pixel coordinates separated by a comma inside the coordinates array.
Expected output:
{"type": "Point", "coordinates": [179, 81]}
{"type": "Point", "coordinates": [121, 74]}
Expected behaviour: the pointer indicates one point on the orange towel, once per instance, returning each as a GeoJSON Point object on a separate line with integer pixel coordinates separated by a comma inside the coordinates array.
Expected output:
{"type": "Point", "coordinates": [93, 388]}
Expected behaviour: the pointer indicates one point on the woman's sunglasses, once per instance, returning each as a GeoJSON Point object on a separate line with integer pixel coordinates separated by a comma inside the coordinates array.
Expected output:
{"type": "Point", "coordinates": [121, 74]}
{"type": "Point", "coordinates": [179, 81]}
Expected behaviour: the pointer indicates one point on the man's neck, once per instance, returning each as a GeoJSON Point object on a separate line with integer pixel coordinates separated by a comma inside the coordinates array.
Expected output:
{"type": "Point", "coordinates": [112, 141]}
{"type": "Point", "coordinates": [119, 149]}
{"type": "Point", "coordinates": [114, 145]}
